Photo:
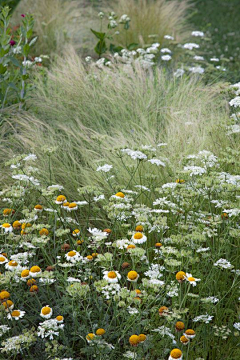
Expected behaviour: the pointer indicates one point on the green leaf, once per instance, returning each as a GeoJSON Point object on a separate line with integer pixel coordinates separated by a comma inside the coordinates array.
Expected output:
{"type": "Point", "coordinates": [99, 35]}
{"type": "Point", "coordinates": [13, 86]}
{"type": "Point", "coordinates": [14, 61]}
{"type": "Point", "coordinates": [26, 49]}
{"type": "Point", "coordinates": [113, 48]}
{"type": "Point", "coordinates": [132, 46]}
{"type": "Point", "coordinates": [101, 47]}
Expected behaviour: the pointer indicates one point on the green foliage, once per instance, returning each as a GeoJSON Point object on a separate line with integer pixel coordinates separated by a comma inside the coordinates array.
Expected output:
{"type": "Point", "coordinates": [14, 71]}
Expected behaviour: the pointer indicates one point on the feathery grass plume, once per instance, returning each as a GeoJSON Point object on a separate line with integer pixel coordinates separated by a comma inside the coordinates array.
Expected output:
{"type": "Point", "coordinates": [88, 113]}
{"type": "Point", "coordinates": [56, 22]}
{"type": "Point", "coordinates": [152, 17]}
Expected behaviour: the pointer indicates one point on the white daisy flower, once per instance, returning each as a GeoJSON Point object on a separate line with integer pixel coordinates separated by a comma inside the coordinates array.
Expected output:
{"type": "Point", "coordinates": [16, 314]}
{"type": "Point", "coordinates": [46, 312]}
{"type": "Point", "coordinates": [191, 279]}
{"type": "Point", "coordinates": [73, 256]}
{"type": "Point", "coordinates": [139, 238]}
{"type": "Point", "coordinates": [111, 276]}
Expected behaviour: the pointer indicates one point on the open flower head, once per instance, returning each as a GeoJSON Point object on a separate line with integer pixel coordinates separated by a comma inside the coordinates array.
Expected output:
{"type": "Point", "coordinates": [46, 312]}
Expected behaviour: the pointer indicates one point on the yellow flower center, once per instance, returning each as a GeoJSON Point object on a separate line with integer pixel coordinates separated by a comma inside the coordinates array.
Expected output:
{"type": "Point", "coordinates": [180, 275]}
{"type": "Point", "coordinates": [7, 304]}
{"type": "Point", "coordinates": [44, 231]}
{"type": "Point", "coordinates": [176, 354]}
{"type": "Point", "coordinates": [134, 339]}
{"type": "Point", "coordinates": [191, 278]}
{"type": "Point", "coordinates": [59, 318]}
{"type": "Point", "coordinates": [132, 275]}
{"type": "Point", "coordinates": [139, 228]}
{"type": "Point", "coordinates": [89, 257]}
{"type": "Point", "coordinates": [61, 198]}
{"type": "Point", "coordinates": [4, 295]}
{"type": "Point", "coordinates": [138, 235]}
{"type": "Point", "coordinates": [138, 291]}
{"type": "Point", "coordinates": [35, 269]}
{"type": "Point", "coordinates": [190, 332]}
{"type": "Point", "coordinates": [25, 273]}
{"type": "Point", "coordinates": [66, 204]}
{"type": "Point", "coordinates": [112, 275]}
{"type": "Point", "coordinates": [90, 336]}
{"type": "Point", "coordinates": [72, 205]}
{"type": "Point", "coordinates": [120, 194]}
{"type": "Point", "coordinates": [184, 340]}
{"type": "Point", "coordinates": [76, 231]}
{"type": "Point", "coordinates": [15, 313]}
{"type": "Point", "coordinates": [7, 211]}
{"type": "Point", "coordinates": [16, 224]}
{"type": "Point", "coordinates": [46, 310]}
{"type": "Point", "coordinates": [6, 225]}
{"type": "Point", "coordinates": [38, 207]}
{"type": "Point", "coordinates": [2, 259]}
{"type": "Point", "coordinates": [94, 254]}
{"type": "Point", "coordinates": [100, 332]}
{"type": "Point", "coordinates": [158, 245]}
{"type": "Point", "coordinates": [142, 337]}
{"type": "Point", "coordinates": [131, 246]}
{"type": "Point", "coordinates": [162, 309]}
{"type": "Point", "coordinates": [13, 263]}
{"type": "Point", "coordinates": [72, 253]}
{"type": "Point", "coordinates": [179, 325]}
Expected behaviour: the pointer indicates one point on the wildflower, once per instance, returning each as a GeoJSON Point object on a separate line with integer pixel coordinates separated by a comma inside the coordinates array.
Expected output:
{"type": "Point", "coordinates": [158, 245]}
{"type": "Point", "coordinates": [197, 70]}
{"type": "Point", "coordinates": [134, 340]}
{"type": "Point", "coordinates": [3, 259]}
{"type": "Point", "coordinates": [46, 312]}
{"type": "Point", "coordinates": [16, 315]}
{"type": "Point", "coordinates": [203, 318]}
{"type": "Point", "coordinates": [184, 340]}
{"type": "Point", "coordinates": [73, 256]}
{"type": "Point", "coordinates": [198, 33]}
{"type": "Point", "coordinates": [191, 279]}
{"type": "Point", "coordinates": [142, 337]}
{"type": "Point", "coordinates": [25, 274]}
{"type": "Point", "coordinates": [190, 333]}
{"type": "Point", "coordinates": [89, 257]}
{"type": "Point", "coordinates": [125, 265]}
{"type": "Point", "coordinates": [12, 265]}
{"type": "Point", "coordinates": [59, 319]}
{"type": "Point", "coordinates": [8, 305]}
{"type": "Point", "coordinates": [166, 58]}
{"type": "Point", "coordinates": [34, 289]}
{"type": "Point", "coordinates": [16, 224]}
{"type": "Point", "coordinates": [38, 208]}
{"type": "Point", "coordinates": [120, 194]}
{"type": "Point", "coordinates": [181, 276]}
{"type": "Point", "coordinates": [105, 168]}
{"type": "Point", "coordinates": [60, 199]}
{"type": "Point", "coordinates": [175, 354]}
{"type": "Point", "coordinates": [163, 311]}
{"type": "Point", "coordinates": [90, 337]}
{"type": "Point", "coordinates": [7, 227]}
{"type": "Point", "coordinates": [237, 326]}
{"type": "Point", "coordinates": [139, 228]}
{"type": "Point", "coordinates": [72, 206]}
{"type": "Point", "coordinates": [168, 37]}
{"type": "Point", "coordinates": [179, 326]}
{"type": "Point", "coordinates": [43, 232]}
{"type": "Point", "coordinates": [139, 238]}
{"type": "Point", "coordinates": [35, 271]}
{"type": "Point", "coordinates": [65, 247]}
{"type": "Point", "coordinates": [190, 46]}
{"type": "Point", "coordinates": [4, 295]}
{"type": "Point", "coordinates": [111, 276]}
{"type": "Point", "coordinates": [100, 332]}
{"type": "Point", "coordinates": [7, 212]}
{"type": "Point", "coordinates": [132, 276]}
{"type": "Point", "coordinates": [12, 42]}
{"type": "Point", "coordinates": [76, 232]}
{"type": "Point", "coordinates": [179, 72]}
{"type": "Point", "coordinates": [223, 264]}
{"type": "Point", "coordinates": [31, 282]}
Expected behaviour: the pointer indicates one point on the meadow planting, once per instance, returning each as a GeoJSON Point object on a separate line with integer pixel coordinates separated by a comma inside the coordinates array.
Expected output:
{"type": "Point", "coordinates": [120, 185]}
